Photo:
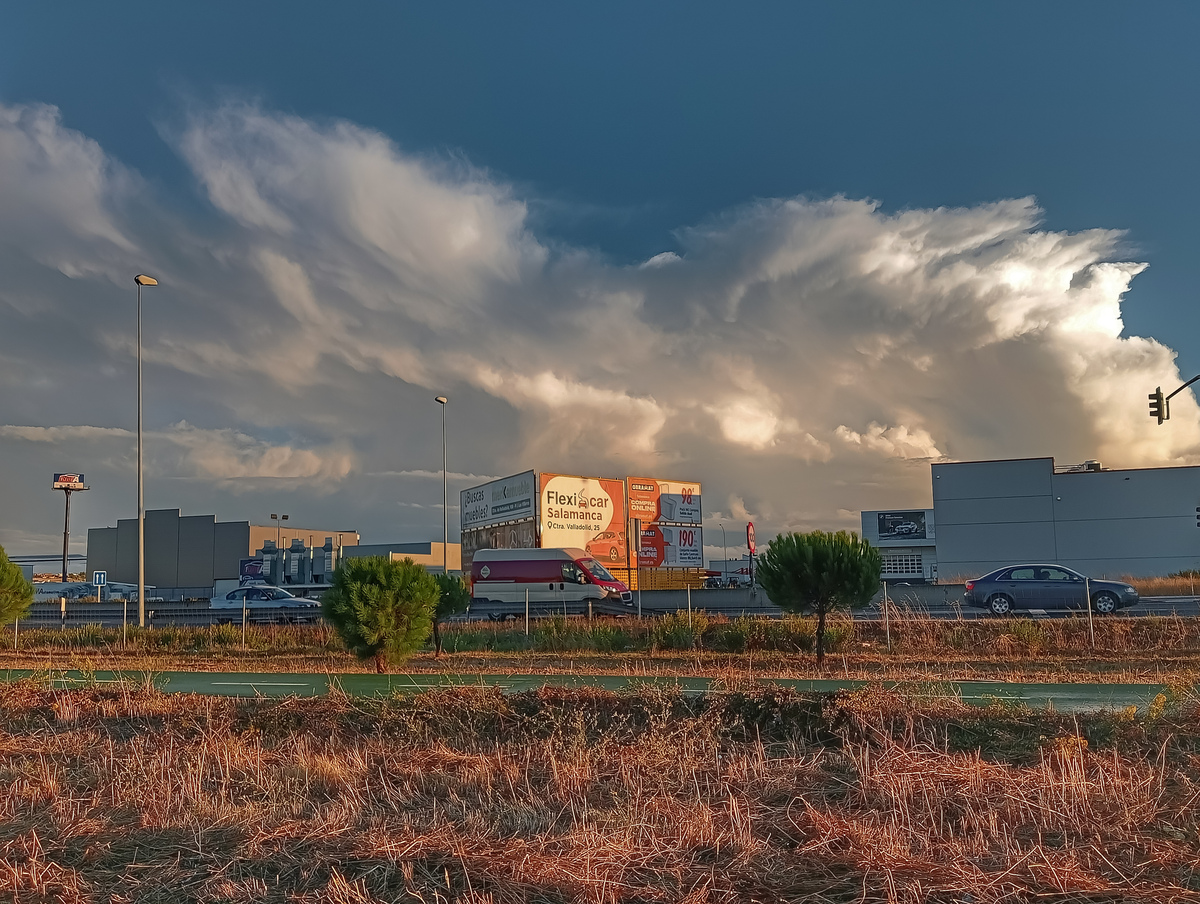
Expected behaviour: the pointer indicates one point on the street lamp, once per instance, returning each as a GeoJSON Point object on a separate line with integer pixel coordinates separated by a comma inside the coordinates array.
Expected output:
{"type": "Point", "coordinates": [141, 280]}
{"type": "Point", "coordinates": [278, 557]}
{"type": "Point", "coordinates": [442, 400]}
{"type": "Point", "coordinates": [725, 557]}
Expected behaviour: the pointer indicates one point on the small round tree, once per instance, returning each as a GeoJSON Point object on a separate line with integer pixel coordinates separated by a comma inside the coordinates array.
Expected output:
{"type": "Point", "coordinates": [383, 610]}
{"type": "Point", "coordinates": [818, 572]}
{"type": "Point", "coordinates": [16, 593]}
{"type": "Point", "coordinates": [454, 599]}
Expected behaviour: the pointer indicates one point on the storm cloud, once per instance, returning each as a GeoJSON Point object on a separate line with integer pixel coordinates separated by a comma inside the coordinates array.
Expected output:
{"type": "Point", "coordinates": [802, 357]}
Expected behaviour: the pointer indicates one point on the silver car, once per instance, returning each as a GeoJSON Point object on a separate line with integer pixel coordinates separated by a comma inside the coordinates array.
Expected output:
{"type": "Point", "coordinates": [1045, 587]}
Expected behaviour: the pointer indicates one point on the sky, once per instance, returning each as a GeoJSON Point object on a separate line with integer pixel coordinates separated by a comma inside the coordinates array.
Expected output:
{"type": "Point", "coordinates": [796, 252]}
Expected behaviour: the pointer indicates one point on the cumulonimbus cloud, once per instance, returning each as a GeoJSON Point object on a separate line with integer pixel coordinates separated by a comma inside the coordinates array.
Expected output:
{"type": "Point", "coordinates": [803, 356]}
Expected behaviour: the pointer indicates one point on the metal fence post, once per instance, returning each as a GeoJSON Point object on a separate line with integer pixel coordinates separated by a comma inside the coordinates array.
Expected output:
{"type": "Point", "coordinates": [1087, 594]}
{"type": "Point", "coordinates": [527, 613]}
{"type": "Point", "coordinates": [689, 598]}
{"type": "Point", "coordinates": [62, 602]}
{"type": "Point", "coordinates": [887, 625]}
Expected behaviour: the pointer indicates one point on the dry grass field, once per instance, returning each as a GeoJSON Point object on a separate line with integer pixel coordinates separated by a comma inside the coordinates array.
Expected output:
{"type": "Point", "coordinates": [124, 794]}
{"type": "Point", "coordinates": [1148, 649]}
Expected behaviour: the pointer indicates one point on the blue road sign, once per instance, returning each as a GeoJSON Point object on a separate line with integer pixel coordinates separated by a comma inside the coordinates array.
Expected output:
{"type": "Point", "coordinates": [99, 578]}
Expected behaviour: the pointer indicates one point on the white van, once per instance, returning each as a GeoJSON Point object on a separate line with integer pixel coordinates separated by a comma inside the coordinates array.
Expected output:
{"type": "Point", "coordinates": [557, 580]}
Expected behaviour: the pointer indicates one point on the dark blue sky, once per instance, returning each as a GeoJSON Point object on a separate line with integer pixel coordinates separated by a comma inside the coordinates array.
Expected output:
{"type": "Point", "coordinates": [623, 122]}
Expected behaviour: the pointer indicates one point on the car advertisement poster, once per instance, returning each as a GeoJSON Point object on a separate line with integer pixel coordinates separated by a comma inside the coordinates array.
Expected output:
{"type": "Point", "coordinates": [506, 499]}
{"type": "Point", "coordinates": [664, 501]}
{"type": "Point", "coordinates": [587, 513]}
{"type": "Point", "coordinates": [251, 572]}
{"type": "Point", "coordinates": [902, 525]}
{"type": "Point", "coordinates": [670, 546]}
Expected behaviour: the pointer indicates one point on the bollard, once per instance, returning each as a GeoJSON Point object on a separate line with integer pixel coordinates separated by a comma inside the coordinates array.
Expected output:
{"type": "Point", "coordinates": [62, 602]}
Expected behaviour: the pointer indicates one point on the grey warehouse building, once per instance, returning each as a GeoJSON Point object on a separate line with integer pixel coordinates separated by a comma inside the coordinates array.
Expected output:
{"type": "Point", "coordinates": [1102, 522]}
{"type": "Point", "coordinates": [182, 551]}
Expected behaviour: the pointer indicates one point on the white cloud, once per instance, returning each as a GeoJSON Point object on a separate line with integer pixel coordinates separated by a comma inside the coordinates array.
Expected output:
{"type": "Point", "coordinates": [894, 442]}
{"type": "Point", "coordinates": [804, 357]}
{"type": "Point", "coordinates": [185, 451]}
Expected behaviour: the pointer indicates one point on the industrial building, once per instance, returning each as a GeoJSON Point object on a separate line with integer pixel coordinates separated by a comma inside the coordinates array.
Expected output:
{"type": "Point", "coordinates": [907, 541]}
{"type": "Point", "coordinates": [1103, 522]}
{"type": "Point", "coordinates": [187, 554]}
{"type": "Point", "coordinates": [428, 554]}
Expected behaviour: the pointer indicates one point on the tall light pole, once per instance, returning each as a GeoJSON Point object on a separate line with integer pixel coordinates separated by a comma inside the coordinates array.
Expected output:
{"type": "Point", "coordinates": [725, 556]}
{"type": "Point", "coordinates": [277, 559]}
{"type": "Point", "coordinates": [141, 280]}
{"type": "Point", "coordinates": [442, 400]}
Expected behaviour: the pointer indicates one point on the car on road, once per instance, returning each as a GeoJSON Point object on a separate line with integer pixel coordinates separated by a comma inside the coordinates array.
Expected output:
{"type": "Point", "coordinates": [1046, 587]}
{"type": "Point", "coordinates": [264, 596]}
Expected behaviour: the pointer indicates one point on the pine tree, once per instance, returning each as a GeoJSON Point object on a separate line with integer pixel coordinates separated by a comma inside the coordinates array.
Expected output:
{"type": "Point", "coordinates": [383, 610]}
{"type": "Point", "coordinates": [16, 593]}
{"type": "Point", "coordinates": [818, 572]}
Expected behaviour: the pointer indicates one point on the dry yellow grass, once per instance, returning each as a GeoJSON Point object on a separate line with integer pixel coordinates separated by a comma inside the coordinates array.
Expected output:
{"type": "Point", "coordinates": [125, 795]}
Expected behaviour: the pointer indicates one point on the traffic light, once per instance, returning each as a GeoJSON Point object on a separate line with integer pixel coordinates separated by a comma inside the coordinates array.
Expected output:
{"type": "Point", "coordinates": [1159, 407]}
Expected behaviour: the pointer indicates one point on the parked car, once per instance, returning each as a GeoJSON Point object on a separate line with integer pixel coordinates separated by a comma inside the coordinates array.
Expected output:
{"type": "Point", "coordinates": [1045, 587]}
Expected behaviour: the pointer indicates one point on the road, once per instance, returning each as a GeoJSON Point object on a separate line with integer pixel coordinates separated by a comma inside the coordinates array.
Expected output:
{"type": "Point", "coordinates": [1063, 697]}
{"type": "Point", "coordinates": [936, 601]}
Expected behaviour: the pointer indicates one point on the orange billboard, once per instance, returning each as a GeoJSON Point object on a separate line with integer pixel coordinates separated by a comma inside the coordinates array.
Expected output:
{"type": "Point", "coordinates": [587, 513]}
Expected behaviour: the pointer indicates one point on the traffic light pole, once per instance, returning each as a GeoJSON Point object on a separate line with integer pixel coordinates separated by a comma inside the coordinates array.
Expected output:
{"type": "Point", "coordinates": [1160, 405]}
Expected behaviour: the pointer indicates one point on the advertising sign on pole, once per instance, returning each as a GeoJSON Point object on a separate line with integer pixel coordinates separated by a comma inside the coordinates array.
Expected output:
{"type": "Point", "coordinates": [506, 499]}
{"type": "Point", "coordinates": [666, 501]}
{"type": "Point", "coordinates": [68, 482]}
{"type": "Point", "coordinates": [750, 537]}
{"type": "Point", "coordinates": [587, 513]}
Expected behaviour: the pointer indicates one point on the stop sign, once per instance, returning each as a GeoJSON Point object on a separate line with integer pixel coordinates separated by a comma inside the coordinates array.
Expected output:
{"type": "Point", "coordinates": [750, 537]}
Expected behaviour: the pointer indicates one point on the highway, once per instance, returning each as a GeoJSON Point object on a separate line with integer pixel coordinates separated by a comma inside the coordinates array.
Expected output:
{"type": "Point", "coordinates": [1069, 698]}
{"type": "Point", "coordinates": [936, 601]}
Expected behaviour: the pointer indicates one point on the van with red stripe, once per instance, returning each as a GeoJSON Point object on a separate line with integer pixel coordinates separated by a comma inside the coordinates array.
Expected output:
{"type": "Point", "coordinates": [557, 580]}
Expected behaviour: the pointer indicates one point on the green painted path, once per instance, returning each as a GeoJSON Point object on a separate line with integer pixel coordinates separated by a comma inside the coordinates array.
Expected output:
{"type": "Point", "coordinates": [1063, 697]}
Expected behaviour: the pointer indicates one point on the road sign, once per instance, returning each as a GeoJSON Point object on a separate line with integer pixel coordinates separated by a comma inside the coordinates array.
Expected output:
{"type": "Point", "coordinates": [750, 537]}
{"type": "Point", "coordinates": [99, 578]}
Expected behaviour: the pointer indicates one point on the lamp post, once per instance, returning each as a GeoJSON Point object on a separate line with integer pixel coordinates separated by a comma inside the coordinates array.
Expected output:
{"type": "Point", "coordinates": [724, 557]}
{"type": "Point", "coordinates": [141, 280]}
{"type": "Point", "coordinates": [278, 557]}
{"type": "Point", "coordinates": [442, 400]}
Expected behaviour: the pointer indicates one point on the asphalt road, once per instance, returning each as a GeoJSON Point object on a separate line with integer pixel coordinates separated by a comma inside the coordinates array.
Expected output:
{"type": "Point", "coordinates": [936, 600]}
{"type": "Point", "coordinates": [1063, 697]}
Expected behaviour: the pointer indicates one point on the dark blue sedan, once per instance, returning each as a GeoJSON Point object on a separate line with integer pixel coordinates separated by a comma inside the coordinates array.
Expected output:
{"type": "Point", "coordinates": [1045, 587]}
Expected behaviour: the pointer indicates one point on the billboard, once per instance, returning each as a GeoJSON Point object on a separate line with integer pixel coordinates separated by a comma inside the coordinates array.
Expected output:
{"type": "Point", "coordinates": [584, 512]}
{"type": "Point", "coordinates": [902, 525]}
{"type": "Point", "coordinates": [68, 482]}
{"type": "Point", "coordinates": [515, 535]}
{"type": "Point", "coordinates": [506, 499]}
{"type": "Point", "coordinates": [665, 501]}
{"type": "Point", "coordinates": [251, 572]}
{"type": "Point", "coordinates": [670, 546]}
